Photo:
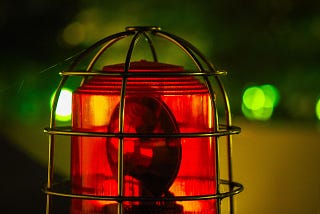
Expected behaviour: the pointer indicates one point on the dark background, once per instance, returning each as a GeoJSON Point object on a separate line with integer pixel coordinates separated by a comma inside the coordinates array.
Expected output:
{"type": "Point", "coordinates": [257, 42]}
{"type": "Point", "coordinates": [274, 42]}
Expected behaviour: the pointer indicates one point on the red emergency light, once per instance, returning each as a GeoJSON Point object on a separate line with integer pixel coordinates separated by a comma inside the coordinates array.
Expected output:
{"type": "Point", "coordinates": [144, 134]}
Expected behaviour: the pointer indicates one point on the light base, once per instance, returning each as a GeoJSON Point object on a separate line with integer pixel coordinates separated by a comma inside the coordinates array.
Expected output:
{"type": "Point", "coordinates": [168, 208]}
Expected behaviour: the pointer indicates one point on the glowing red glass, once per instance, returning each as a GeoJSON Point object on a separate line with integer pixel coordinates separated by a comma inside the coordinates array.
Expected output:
{"type": "Point", "coordinates": [153, 165]}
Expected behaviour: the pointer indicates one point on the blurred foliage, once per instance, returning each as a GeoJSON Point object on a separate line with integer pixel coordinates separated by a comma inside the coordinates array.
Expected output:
{"type": "Point", "coordinates": [257, 42]}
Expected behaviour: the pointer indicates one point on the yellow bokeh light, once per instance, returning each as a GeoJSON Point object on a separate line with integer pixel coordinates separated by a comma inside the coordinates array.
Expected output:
{"type": "Point", "coordinates": [73, 34]}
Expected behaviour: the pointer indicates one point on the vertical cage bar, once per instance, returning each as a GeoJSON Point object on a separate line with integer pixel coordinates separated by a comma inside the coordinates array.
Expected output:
{"type": "Point", "coordinates": [121, 121]}
{"type": "Point", "coordinates": [51, 145]}
{"type": "Point", "coordinates": [188, 48]}
{"type": "Point", "coordinates": [50, 171]}
{"type": "Point", "coordinates": [101, 51]}
{"type": "Point", "coordinates": [153, 50]}
{"type": "Point", "coordinates": [216, 125]}
{"type": "Point", "coordinates": [228, 139]}
{"type": "Point", "coordinates": [180, 43]}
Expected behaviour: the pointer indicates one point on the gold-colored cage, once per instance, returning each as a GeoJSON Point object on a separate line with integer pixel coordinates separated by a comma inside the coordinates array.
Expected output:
{"type": "Point", "coordinates": [204, 69]}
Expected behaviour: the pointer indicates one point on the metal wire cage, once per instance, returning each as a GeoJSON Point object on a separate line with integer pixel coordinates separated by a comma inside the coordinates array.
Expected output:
{"type": "Point", "coordinates": [204, 71]}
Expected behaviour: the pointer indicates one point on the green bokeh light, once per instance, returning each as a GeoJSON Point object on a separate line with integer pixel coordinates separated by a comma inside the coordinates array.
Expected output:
{"type": "Point", "coordinates": [262, 114]}
{"type": "Point", "coordinates": [253, 98]}
{"type": "Point", "coordinates": [64, 105]}
{"type": "Point", "coordinates": [272, 93]}
{"type": "Point", "coordinates": [318, 109]}
{"type": "Point", "coordinates": [258, 102]}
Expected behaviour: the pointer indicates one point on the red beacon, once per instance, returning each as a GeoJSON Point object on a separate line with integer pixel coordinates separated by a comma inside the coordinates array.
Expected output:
{"type": "Point", "coordinates": [144, 134]}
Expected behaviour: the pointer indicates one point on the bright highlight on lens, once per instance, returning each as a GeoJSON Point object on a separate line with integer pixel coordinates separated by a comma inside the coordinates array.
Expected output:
{"type": "Point", "coordinates": [64, 105]}
{"type": "Point", "coordinates": [318, 109]}
{"type": "Point", "coordinates": [258, 102]}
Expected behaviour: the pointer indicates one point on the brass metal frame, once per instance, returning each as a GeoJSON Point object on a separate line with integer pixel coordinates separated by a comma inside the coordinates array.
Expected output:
{"type": "Point", "coordinates": [205, 70]}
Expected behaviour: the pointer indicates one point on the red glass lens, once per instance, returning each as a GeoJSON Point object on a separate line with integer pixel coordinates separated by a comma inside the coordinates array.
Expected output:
{"type": "Point", "coordinates": [155, 164]}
